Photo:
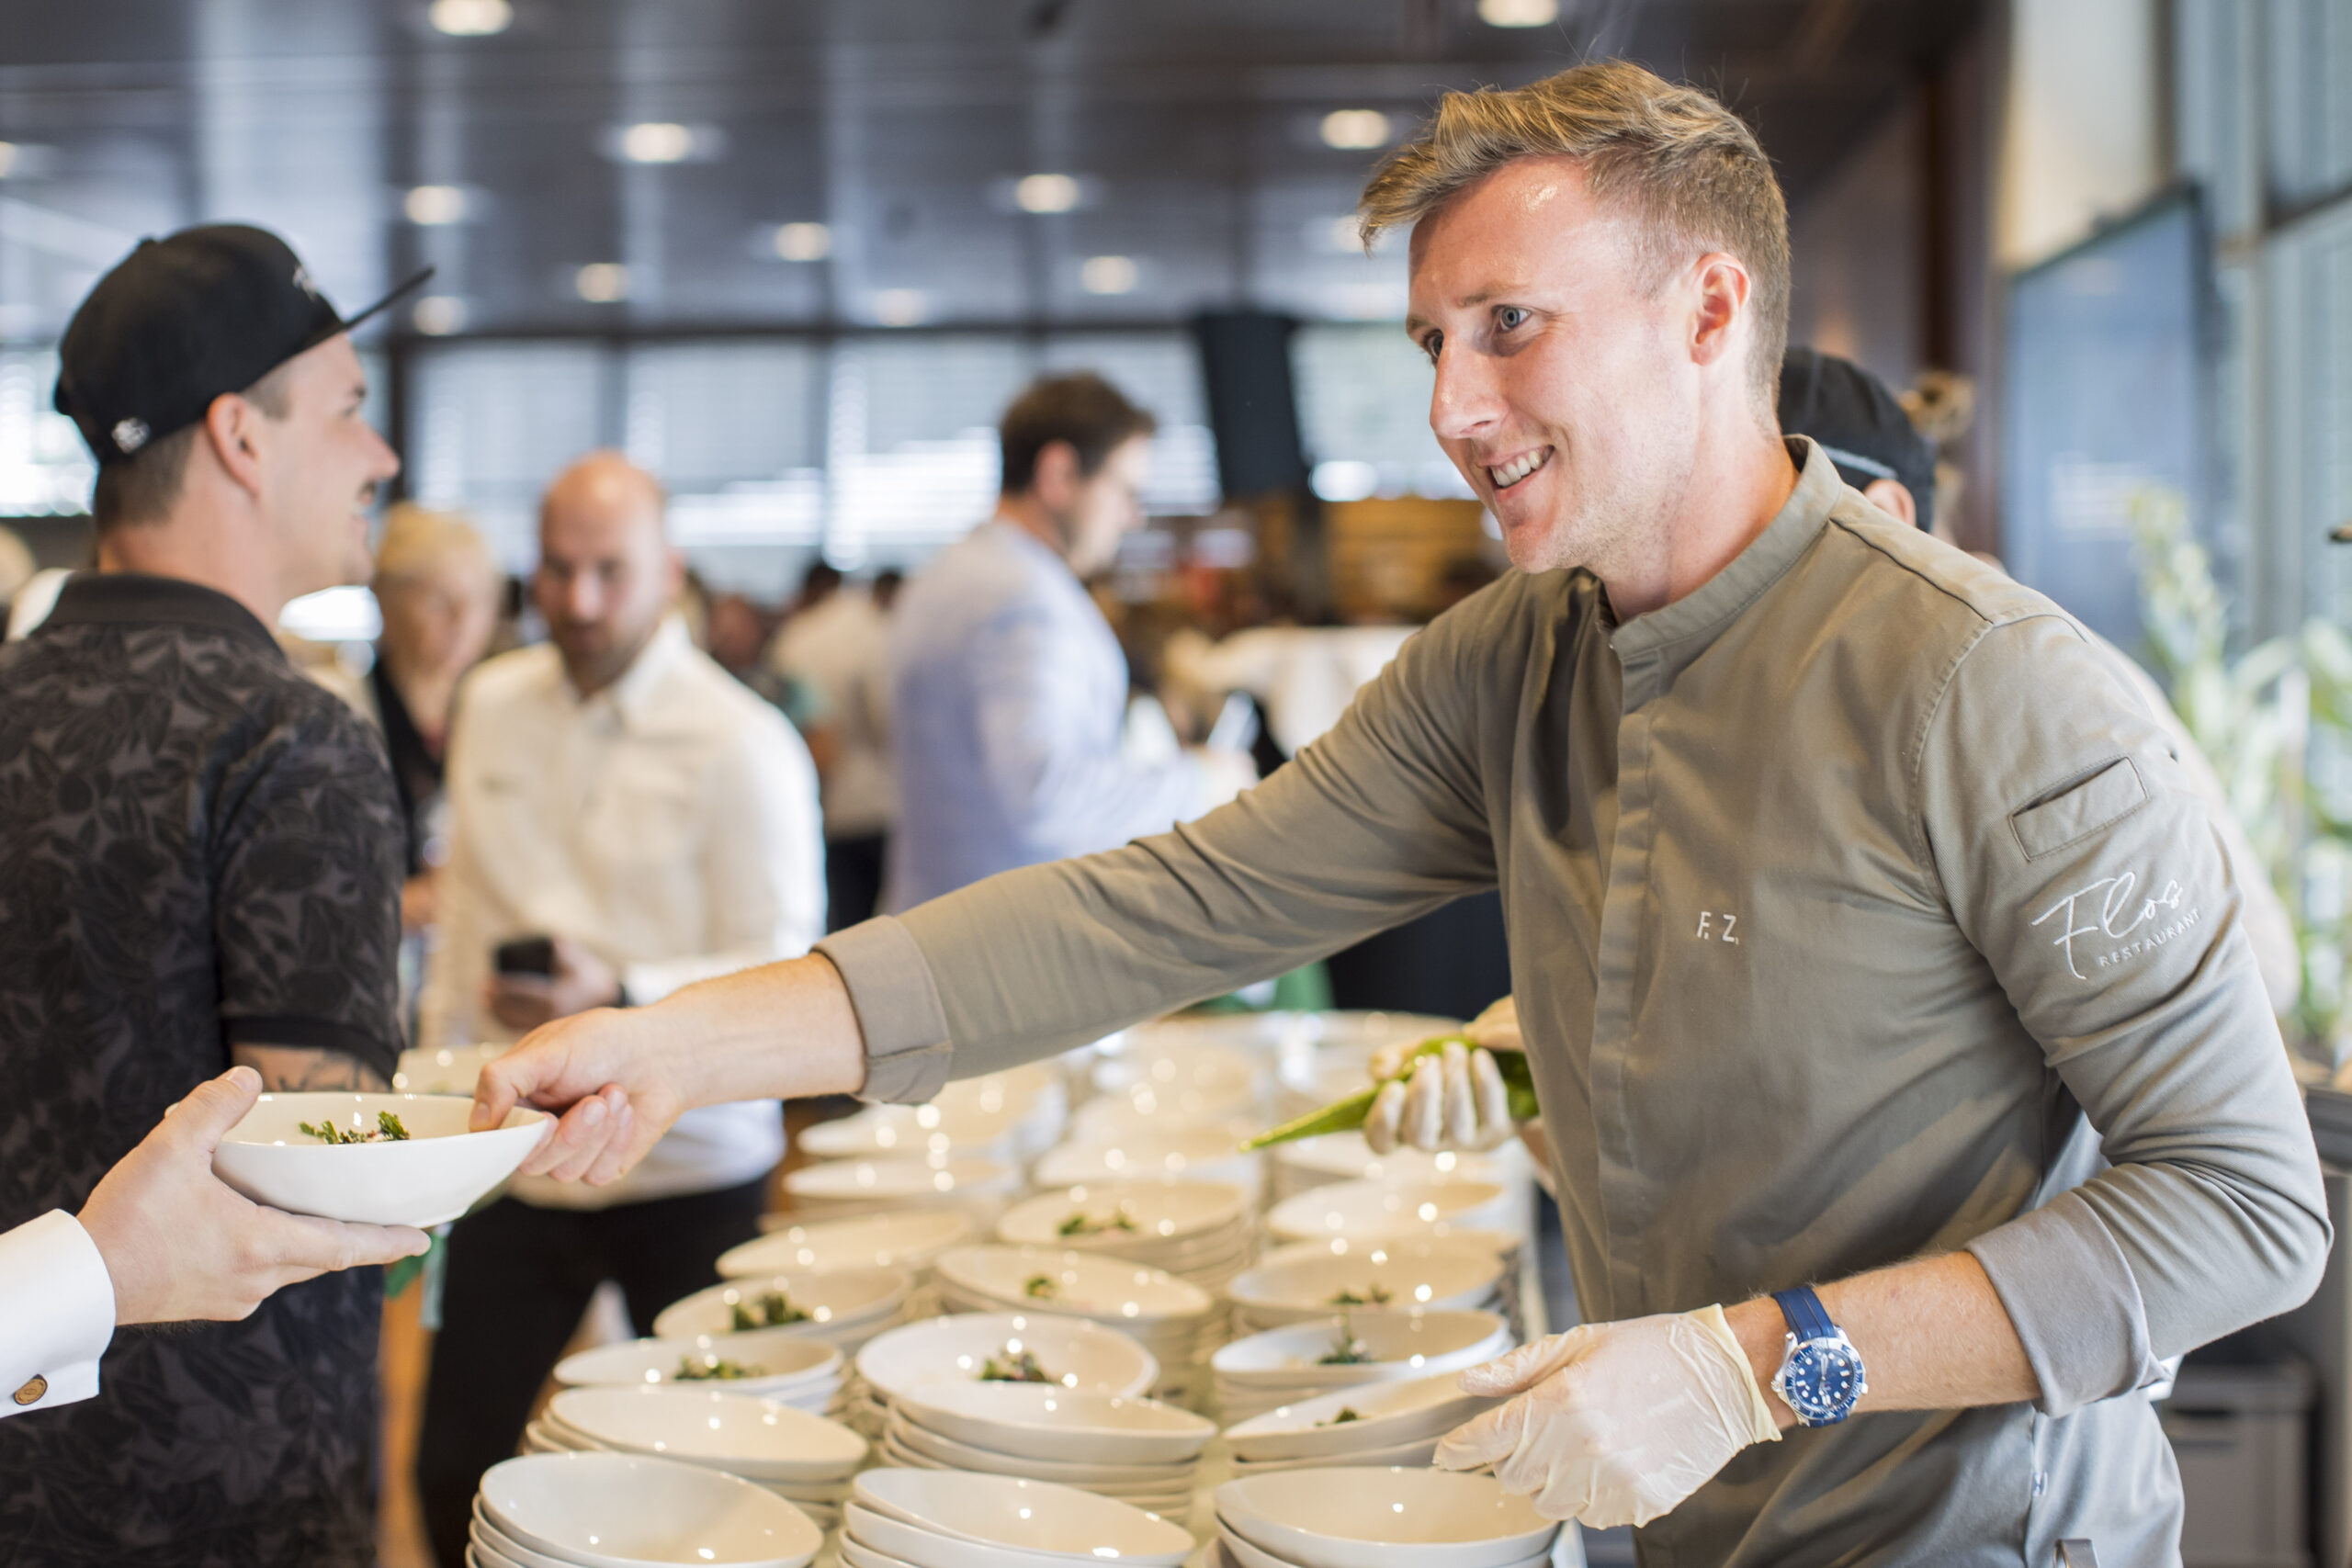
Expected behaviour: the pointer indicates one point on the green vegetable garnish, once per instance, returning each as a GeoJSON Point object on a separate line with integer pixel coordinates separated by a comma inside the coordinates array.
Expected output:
{"type": "Point", "coordinates": [390, 1126]}
{"type": "Point", "coordinates": [1040, 1287]}
{"type": "Point", "coordinates": [1019, 1366]}
{"type": "Point", "coordinates": [1080, 1224]}
{"type": "Point", "coordinates": [1374, 1295]}
{"type": "Point", "coordinates": [691, 1370]}
{"type": "Point", "coordinates": [1346, 1351]}
{"type": "Point", "coordinates": [1342, 1419]}
{"type": "Point", "coordinates": [776, 1310]}
{"type": "Point", "coordinates": [388, 1129]}
{"type": "Point", "coordinates": [1348, 1115]}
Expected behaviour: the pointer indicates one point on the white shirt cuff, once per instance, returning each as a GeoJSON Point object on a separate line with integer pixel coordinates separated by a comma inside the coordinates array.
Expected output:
{"type": "Point", "coordinates": [56, 1313]}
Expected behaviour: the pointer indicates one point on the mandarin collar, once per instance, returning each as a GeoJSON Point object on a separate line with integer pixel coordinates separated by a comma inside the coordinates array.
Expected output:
{"type": "Point", "coordinates": [136, 598]}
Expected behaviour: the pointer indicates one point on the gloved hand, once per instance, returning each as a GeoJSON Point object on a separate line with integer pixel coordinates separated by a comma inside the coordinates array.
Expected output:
{"type": "Point", "coordinates": [1455, 1099]}
{"type": "Point", "coordinates": [1615, 1423]}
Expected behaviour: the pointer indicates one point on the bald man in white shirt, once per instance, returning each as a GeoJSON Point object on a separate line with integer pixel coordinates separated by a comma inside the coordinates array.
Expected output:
{"type": "Point", "coordinates": [616, 792]}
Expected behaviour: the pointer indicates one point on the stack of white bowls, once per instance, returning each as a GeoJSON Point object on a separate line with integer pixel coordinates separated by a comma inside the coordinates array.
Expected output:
{"type": "Point", "coordinates": [806, 1460]}
{"type": "Point", "coordinates": [841, 1189]}
{"type": "Point", "coordinates": [1174, 1319]}
{"type": "Point", "coordinates": [1377, 1423]}
{"type": "Point", "coordinates": [911, 1240]}
{"type": "Point", "coordinates": [1390, 1210]}
{"type": "Point", "coordinates": [845, 1307]}
{"type": "Point", "coordinates": [1174, 1153]}
{"type": "Point", "coordinates": [1284, 1366]}
{"type": "Point", "coordinates": [1346, 1157]}
{"type": "Point", "coordinates": [611, 1510]}
{"type": "Point", "coordinates": [1011, 1116]}
{"type": "Point", "coordinates": [1312, 1281]}
{"type": "Point", "coordinates": [953, 1518]}
{"type": "Point", "coordinates": [773, 1363]}
{"type": "Point", "coordinates": [1064, 1352]}
{"type": "Point", "coordinates": [1378, 1519]}
{"type": "Point", "coordinates": [1199, 1231]}
{"type": "Point", "coordinates": [1139, 1450]}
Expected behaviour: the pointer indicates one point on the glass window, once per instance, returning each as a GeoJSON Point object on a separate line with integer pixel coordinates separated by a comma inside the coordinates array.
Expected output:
{"type": "Point", "coordinates": [492, 423]}
{"type": "Point", "coordinates": [45, 469]}
{"type": "Point", "coordinates": [1363, 412]}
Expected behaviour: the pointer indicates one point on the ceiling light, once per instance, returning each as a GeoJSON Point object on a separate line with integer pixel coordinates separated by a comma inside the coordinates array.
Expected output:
{"type": "Point", "coordinates": [1108, 275]}
{"type": "Point", "coordinates": [804, 242]}
{"type": "Point", "coordinates": [471, 18]}
{"type": "Point", "coordinates": [434, 205]}
{"type": "Point", "coordinates": [438, 315]}
{"type": "Point", "coordinates": [1518, 13]}
{"type": "Point", "coordinates": [657, 141]}
{"type": "Point", "coordinates": [1045, 192]}
{"type": "Point", "coordinates": [901, 307]}
{"type": "Point", "coordinates": [602, 283]}
{"type": "Point", "coordinates": [1355, 130]}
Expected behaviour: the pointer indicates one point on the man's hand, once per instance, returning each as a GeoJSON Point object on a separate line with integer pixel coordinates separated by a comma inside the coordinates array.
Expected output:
{"type": "Point", "coordinates": [581, 981]}
{"type": "Point", "coordinates": [1615, 1423]}
{"type": "Point", "coordinates": [610, 1076]}
{"type": "Point", "coordinates": [1455, 1099]}
{"type": "Point", "coordinates": [179, 1244]}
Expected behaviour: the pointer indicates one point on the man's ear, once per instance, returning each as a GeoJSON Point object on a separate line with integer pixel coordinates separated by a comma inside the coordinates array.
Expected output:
{"type": "Point", "coordinates": [231, 435]}
{"type": "Point", "coordinates": [1056, 479]}
{"type": "Point", "coordinates": [1893, 497]}
{"type": "Point", "coordinates": [1722, 286]}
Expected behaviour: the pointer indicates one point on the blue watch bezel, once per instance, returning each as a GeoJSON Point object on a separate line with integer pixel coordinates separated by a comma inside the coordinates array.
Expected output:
{"type": "Point", "coordinates": [1822, 1377]}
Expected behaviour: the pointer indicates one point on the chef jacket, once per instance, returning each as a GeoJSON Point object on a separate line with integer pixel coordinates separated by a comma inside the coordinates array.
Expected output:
{"type": "Point", "coordinates": [1856, 911]}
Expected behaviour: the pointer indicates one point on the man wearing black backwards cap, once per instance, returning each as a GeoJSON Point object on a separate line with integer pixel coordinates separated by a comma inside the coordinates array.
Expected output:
{"type": "Point", "coordinates": [1859, 426]}
{"type": "Point", "coordinates": [201, 858]}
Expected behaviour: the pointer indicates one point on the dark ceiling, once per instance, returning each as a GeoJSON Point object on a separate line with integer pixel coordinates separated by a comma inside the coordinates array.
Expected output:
{"type": "Point", "coordinates": [1192, 128]}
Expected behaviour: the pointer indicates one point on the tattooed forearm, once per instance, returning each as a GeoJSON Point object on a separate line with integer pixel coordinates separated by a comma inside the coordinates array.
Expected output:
{"type": "Point", "coordinates": [290, 1069]}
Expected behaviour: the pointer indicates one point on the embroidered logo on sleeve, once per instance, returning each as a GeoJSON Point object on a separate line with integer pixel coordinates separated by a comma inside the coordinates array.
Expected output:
{"type": "Point", "coordinates": [2114, 924]}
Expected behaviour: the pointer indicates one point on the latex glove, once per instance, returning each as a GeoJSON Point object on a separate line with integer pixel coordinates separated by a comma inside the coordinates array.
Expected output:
{"type": "Point", "coordinates": [1455, 1099]}
{"type": "Point", "coordinates": [1615, 1423]}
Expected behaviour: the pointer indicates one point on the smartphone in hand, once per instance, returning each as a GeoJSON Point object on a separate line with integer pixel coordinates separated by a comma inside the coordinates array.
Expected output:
{"type": "Point", "coordinates": [525, 955]}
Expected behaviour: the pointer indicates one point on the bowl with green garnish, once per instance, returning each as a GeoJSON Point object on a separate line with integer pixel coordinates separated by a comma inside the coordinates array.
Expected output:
{"type": "Point", "coordinates": [386, 1159]}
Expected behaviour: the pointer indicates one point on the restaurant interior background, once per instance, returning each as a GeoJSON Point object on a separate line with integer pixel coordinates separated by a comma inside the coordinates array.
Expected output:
{"type": "Point", "coordinates": [795, 255]}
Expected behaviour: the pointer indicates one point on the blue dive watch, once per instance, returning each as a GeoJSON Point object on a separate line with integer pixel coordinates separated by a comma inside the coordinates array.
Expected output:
{"type": "Point", "coordinates": [1821, 1376]}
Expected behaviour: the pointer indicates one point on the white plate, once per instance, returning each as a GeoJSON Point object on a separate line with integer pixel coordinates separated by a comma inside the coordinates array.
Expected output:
{"type": "Point", "coordinates": [1369, 1211]}
{"type": "Point", "coordinates": [1404, 1275]}
{"type": "Point", "coordinates": [1156, 1214]}
{"type": "Point", "coordinates": [1081, 1354]}
{"type": "Point", "coordinates": [910, 1239]}
{"type": "Point", "coordinates": [1392, 1413]}
{"type": "Point", "coordinates": [840, 1300]}
{"type": "Point", "coordinates": [788, 1361]}
{"type": "Point", "coordinates": [1058, 1423]}
{"type": "Point", "coordinates": [887, 1182]}
{"type": "Point", "coordinates": [438, 1173]}
{"type": "Point", "coordinates": [1384, 1519]}
{"type": "Point", "coordinates": [1292, 1357]}
{"type": "Point", "coordinates": [758, 1439]}
{"type": "Point", "coordinates": [1015, 1514]}
{"type": "Point", "coordinates": [623, 1511]}
{"type": "Point", "coordinates": [1083, 1283]}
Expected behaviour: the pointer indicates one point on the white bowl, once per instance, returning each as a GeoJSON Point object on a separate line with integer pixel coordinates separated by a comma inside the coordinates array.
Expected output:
{"type": "Point", "coordinates": [1185, 1073]}
{"type": "Point", "coordinates": [842, 1299]}
{"type": "Point", "coordinates": [861, 1556]}
{"type": "Point", "coordinates": [1237, 1552]}
{"type": "Point", "coordinates": [1399, 1345]}
{"type": "Point", "coordinates": [1346, 1157]}
{"type": "Point", "coordinates": [1018, 1514]}
{"type": "Point", "coordinates": [1044, 1422]}
{"type": "Point", "coordinates": [1368, 1210]}
{"type": "Point", "coordinates": [786, 1360]}
{"type": "Point", "coordinates": [1187, 1154]}
{"type": "Point", "coordinates": [1081, 1354]}
{"type": "Point", "coordinates": [497, 1547]}
{"type": "Point", "coordinates": [1412, 1456]}
{"type": "Point", "coordinates": [1406, 1274]}
{"type": "Point", "coordinates": [905, 1442]}
{"type": "Point", "coordinates": [1345, 1517]}
{"type": "Point", "coordinates": [1387, 1413]}
{"type": "Point", "coordinates": [625, 1510]}
{"type": "Point", "coordinates": [433, 1176]}
{"type": "Point", "coordinates": [884, 1184]}
{"type": "Point", "coordinates": [1157, 1214]}
{"type": "Point", "coordinates": [911, 1238]}
{"type": "Point", "coordinates": [919, 1548]}
{"type": "Point", "coordinates": [758, 1439]}
{"type": "Point", "coordinates": [1084, 1283]}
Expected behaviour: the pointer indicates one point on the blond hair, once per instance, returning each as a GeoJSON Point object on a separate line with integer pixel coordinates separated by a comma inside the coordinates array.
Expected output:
{"type": "Point", "coordinates": [1688, 170]}
{"type": "Point", "coordinates": [417, 541]}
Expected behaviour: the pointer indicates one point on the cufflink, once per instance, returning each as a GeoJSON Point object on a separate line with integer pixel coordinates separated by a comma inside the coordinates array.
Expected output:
{"type": "Point", "coordinates": [31, 1392]}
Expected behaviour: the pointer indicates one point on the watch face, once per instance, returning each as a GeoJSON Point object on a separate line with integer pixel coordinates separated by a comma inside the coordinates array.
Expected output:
{"type": "Point", "coordinates": [1821, 1379]}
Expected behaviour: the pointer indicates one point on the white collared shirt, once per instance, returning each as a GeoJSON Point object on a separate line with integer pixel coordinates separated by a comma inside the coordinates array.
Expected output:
{"type": "Point", "coordinates": [56, 1313]}
{"type": "Point", "coordinates": [668, 822]}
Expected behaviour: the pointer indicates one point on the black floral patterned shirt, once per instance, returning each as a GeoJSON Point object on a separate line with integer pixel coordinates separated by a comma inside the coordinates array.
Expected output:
{"type": "Point", "coordinates": [198, 849]}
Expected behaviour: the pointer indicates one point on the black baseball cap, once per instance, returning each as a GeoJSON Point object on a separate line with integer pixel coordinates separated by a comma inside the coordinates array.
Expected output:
{"type": "Point", "coordinates": [181, 321]}
{"type": "Point", "coordinates": [1851, 416]}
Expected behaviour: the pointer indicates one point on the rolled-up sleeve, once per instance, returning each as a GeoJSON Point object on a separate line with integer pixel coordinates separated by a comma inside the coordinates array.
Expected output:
{"type": "Point", "coordinates": [1379, 822]}
{"type": "Point", "coordinates": [2079, 861]}
{"type": "Point", "coordinates": [56, 1313]}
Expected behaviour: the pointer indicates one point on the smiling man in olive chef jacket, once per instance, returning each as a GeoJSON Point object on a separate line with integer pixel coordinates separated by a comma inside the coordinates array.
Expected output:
{"type": "Point", "coordinates": [1880, 977]}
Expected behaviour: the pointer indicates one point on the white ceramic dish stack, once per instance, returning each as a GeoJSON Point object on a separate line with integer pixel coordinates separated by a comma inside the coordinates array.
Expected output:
{"type": "Point", "coordinates": [845, 1307]}
{"type": "Point", "coordinates": [1011, 1116]}
{"type": "Point", "coordinates": [948, 1518]}
{"type": "Point", "coordinates": [1140, 1450]}
{"type": "Point", "coordinates": [911, 1239]}
{"type": "Point", "coordinates": [1285, 1366]}
{"type": "Point", "coordinates": [1314, 1281]}
{"type": "Point", "coordinates": [1363, 1518]}
{"type": "Point", "coordinates": [1392, 1211]}
{"type": "Point", "coordinates": [1174, 1153]}
{"type": "Point", "coordinates": [806, 1460]}
{"type": "Point", "coordinates": [1065, 1352]}
{"type": "Point", "coordinates": [1178, 1322]}
{"type": "Point", "coordinates": [773, 1363]}
{"type": "Point", "coordinates": [1199, 1231]}
{"type": "Point", "coordinates": [1372, 1424]}
{"type": "Point", "coordinates": [842, 1189]}
{"type": "Point", "coordinates": [612, 1510]}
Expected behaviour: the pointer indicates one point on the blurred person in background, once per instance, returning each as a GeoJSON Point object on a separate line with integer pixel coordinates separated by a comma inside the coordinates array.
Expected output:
{"type": "Point", "coordinates": [837, 652]}
{"type": "Point", "coordinates": [624, 817]}
{"type": "Point", "coordinates": [1009, 689]}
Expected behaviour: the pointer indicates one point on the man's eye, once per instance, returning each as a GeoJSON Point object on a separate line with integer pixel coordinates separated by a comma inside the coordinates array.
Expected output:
{"type": "Point", "coordinates": [1510, 317]}
{"type": "Point", "coordinates": [1431, 344]}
